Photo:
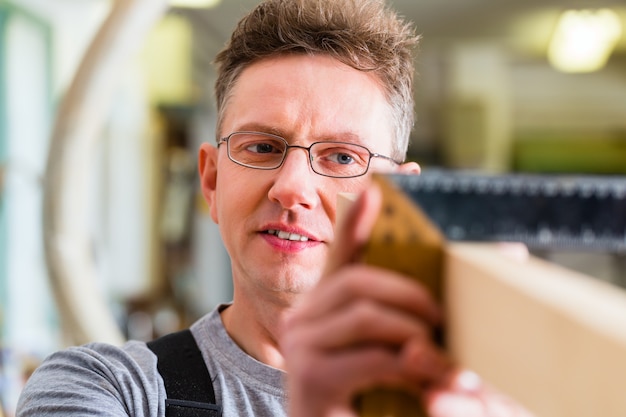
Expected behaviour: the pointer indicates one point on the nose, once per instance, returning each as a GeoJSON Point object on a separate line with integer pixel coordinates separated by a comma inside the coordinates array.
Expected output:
{"type": "Point", "coordinates": [295, 184]}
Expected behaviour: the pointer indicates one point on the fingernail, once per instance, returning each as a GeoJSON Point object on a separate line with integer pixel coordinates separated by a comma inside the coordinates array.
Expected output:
{"type": "Point", "coordinates": [468, 381]}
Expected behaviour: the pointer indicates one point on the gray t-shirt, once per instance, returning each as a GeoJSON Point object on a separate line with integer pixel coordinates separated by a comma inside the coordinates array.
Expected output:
{"type": "Point", "coordinates": [103, 380]}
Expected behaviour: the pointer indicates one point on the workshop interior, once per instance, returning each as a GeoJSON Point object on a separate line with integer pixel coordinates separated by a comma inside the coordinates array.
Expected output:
{"type": "Point", "coordinates": [104, 234]}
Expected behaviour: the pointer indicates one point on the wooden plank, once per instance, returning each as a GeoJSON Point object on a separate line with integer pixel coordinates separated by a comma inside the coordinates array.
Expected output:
{"type": "Point", "coordinates": [552, 338]}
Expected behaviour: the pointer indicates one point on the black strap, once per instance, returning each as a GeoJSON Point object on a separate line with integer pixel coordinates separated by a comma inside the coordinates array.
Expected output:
{"type": "Point", "coordinates": [187, 381]}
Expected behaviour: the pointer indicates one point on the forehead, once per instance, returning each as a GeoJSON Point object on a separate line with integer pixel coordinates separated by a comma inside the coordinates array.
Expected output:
{"type": "Point", "coordinates": [312, 97]}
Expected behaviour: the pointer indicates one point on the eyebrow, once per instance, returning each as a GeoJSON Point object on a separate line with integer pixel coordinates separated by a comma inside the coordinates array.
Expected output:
{"type": "Point", "coordinates": [260, 127]}
{"type": "Point", "coordinates": [345, 136]}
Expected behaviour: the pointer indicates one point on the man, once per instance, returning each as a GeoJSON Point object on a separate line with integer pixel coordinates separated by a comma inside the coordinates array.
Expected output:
{"type": "Point", "coordinates": [312, 96]}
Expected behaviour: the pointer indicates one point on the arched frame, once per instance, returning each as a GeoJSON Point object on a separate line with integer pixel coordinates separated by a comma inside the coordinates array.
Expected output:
{"type": "Point", "coordinates": [81, 116]}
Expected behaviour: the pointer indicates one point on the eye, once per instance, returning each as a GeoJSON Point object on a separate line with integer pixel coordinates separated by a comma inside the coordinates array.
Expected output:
{"type": "Point", "coordinates": [341, 157]}
{"type": "Point", "coordinates": [263, 147]}
{"type": "Point", "coordinates": [340, 154]}
{"type": "Point", "coordinates": [256, 144]}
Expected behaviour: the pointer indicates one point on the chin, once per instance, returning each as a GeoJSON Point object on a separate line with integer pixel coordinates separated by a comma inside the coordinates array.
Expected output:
{"type": "Point", "coordinates": [297, 282]}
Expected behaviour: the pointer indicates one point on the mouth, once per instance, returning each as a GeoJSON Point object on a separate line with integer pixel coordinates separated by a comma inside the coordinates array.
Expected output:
{"type": "Point", "coordinates": [287, 235]}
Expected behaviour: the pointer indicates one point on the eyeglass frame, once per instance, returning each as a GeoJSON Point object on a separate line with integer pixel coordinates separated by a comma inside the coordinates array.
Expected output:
{"type": "Point", "coordinates": [226, 139]}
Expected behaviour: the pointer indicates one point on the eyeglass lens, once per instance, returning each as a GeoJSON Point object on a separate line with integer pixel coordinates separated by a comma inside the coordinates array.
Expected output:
{"type": "Point", "coordinates": [335, 159]}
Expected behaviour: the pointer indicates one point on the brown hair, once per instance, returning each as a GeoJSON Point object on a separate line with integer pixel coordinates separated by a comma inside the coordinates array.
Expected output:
{"type": "Point", "coordinates": [363, 34]}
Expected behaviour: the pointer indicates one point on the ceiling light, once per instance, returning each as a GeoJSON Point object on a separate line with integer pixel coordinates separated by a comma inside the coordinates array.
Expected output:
{"type": "Point", "coordinates": [584, 39]}
{"type": "Point", "coordinates": [194, 4]}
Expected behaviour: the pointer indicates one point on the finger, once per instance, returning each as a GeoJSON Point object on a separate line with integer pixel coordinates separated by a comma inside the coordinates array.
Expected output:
{"type": "Point", "coordinates": [424, 361]}
{"type": "Point", "coordinates": [454, 404]}
{"type": "Point", "coordinates": [362, 282]}
{"type": "Point", "coordinates": [467, 381]}
{"type": "Point", "coordinates": [463, 393]}
{"type": "Point", "coordinates": [348, 372]}
{"type": "Point", "coordinates": [366, 322]}
{"type": "Point", "coordinates": [354, 230]}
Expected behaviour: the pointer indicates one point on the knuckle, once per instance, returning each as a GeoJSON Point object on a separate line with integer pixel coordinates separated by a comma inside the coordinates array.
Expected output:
{"type": "Point", "coordinates": [365, 313]}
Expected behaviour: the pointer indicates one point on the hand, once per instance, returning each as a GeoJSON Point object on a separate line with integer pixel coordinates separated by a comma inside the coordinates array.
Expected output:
{"type": "Point", "coordinates": [463, 394]}
{"type": "Point", "coordinates": [364, 327]}
{"type": "Point", "coordinates": [361, 327]}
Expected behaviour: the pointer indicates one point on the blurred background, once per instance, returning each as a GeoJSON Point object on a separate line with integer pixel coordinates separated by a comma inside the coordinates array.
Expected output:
{"type": "Point", "coordinates": [503, 86]}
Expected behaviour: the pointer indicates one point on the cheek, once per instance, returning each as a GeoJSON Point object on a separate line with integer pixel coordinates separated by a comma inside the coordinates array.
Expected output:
{"type": "Point", "coordinates": [222, 197]}
{"type": "Point", "coordinates": [221, 211]}
{"type": "Point", "coordinates": [338, 200]}
{"type": "Point", "coordinates": [239, 192]}
{"type": "Point", "coordinates": [357, 185]}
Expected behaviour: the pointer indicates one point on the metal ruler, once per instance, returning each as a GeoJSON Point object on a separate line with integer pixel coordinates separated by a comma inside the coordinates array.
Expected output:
{"type": "Point", "coordinates": [586, 213]}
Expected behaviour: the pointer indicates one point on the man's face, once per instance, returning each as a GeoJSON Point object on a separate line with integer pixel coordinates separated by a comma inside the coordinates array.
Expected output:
{"type": "Point", "coordinates": [277, 225]}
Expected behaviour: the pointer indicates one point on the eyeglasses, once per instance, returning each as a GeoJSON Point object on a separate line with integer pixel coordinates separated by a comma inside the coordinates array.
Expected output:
{"type": "Point", "coordinates": [331, 159]}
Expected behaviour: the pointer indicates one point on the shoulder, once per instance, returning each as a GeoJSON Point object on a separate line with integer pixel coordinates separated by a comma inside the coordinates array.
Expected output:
{"type": "Point", "coordinates": [96, 379]}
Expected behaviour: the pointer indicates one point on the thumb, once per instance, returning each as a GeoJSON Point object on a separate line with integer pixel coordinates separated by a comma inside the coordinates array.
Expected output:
{"type": "Point", "coordinates": [353, 231]}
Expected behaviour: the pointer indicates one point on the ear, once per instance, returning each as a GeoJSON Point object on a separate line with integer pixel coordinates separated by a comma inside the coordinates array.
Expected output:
{"type": "Point", "coordinates": [207, 168]}
{"type": "Point", "coordinates": [409, 168]}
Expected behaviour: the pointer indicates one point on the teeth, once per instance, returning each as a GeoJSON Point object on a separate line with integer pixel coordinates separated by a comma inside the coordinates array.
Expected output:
{"type": "Point", "coordinates": [288, 236]}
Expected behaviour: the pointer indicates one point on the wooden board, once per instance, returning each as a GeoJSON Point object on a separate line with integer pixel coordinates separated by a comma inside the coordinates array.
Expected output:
{"type": "Point", "coordinates": [552, 338]}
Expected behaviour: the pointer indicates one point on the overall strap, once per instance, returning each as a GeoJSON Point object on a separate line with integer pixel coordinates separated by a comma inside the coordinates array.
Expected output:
{"type": "Point", "coordinates": [187, 381]}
